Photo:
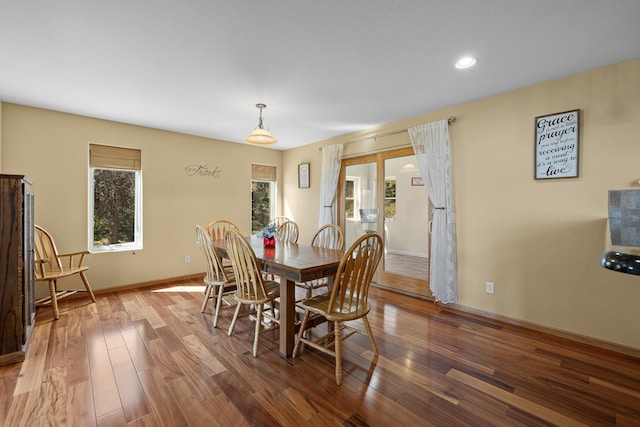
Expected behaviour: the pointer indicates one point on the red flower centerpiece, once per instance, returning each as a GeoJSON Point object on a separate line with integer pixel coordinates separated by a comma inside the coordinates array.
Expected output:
{"type": "Point", "coordinates": [269, 236]}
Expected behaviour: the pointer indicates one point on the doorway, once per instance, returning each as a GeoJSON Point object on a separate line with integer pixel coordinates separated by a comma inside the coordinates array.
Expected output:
{"type": "Point", "coordinates": [384, 193]}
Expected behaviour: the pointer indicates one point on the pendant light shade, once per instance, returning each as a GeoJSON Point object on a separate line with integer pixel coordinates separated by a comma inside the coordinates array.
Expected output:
{"type": "Point", "coordinates": [260, 136]}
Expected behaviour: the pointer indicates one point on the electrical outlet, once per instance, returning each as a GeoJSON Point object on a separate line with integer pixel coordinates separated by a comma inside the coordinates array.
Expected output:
{"type": "Point", "coordinates": [187, 259]}
{"type": "Point", "coordinates": [490, 287]}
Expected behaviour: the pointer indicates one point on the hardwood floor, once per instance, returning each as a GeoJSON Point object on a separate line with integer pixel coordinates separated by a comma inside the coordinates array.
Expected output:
{"type": "Point", "coordinates": [407, 265]}
{"type": "Point", "coordinates": [148, 357]}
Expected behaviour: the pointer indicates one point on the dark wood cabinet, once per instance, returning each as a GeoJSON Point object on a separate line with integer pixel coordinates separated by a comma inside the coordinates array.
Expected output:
{"type": "Point", "coordinates": [17, 303]}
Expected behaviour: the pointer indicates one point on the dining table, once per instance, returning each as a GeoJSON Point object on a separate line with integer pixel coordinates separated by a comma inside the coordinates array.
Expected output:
{"type": "Point", "coordinates": [291, 262]}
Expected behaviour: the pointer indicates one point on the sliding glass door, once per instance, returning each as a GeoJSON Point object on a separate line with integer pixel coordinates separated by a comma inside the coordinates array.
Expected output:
{"type": "Point", "coordinates": [384, 193]}
{"type": "Point", "coordinates": [360, 201]}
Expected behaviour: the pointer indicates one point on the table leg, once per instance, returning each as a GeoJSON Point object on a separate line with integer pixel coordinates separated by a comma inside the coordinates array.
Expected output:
{"type": "Point", "coordinates": [287, 316]}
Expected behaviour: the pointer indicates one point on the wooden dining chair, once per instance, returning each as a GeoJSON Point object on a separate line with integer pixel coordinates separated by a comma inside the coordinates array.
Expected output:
{"type": "Point", "coordinates": [288, 232]}
{"type": "Point", "coordinates": [219, 280]}
{"type": "Point", "coordinates": [50, 266]}
{"type": "Point", "coordinates": [329, 236]}
{"type": "Point", "coordinates": [251, 288]}
{"type": "Point", "coordinates": [347, 301]}
{"type": "Point", "coordinates": [278, 221]}
{"type": "Point", "coordinates": [219, 227]}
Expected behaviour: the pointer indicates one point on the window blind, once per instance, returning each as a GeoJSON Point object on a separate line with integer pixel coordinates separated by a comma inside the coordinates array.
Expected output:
{"type": "Point", "coordinates": [263, 172]}
{"type": "Point", "coordinates": [104, 156]}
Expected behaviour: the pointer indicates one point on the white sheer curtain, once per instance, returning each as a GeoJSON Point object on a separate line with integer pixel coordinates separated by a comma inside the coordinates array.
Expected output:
{"type": "Point", "coordinates": [433, 154]}
{"type": "Point", "coordinates": [331, 158]}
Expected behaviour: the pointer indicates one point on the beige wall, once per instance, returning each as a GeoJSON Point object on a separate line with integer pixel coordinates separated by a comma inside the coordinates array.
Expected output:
{"type": "Point", "coordinates": [540, 241]}
{"type": "Point", "coordinates": [52, 149]}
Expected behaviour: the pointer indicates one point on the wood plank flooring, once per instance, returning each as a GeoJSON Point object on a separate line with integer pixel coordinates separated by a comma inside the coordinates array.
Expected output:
{"type": "Point", "coordinates": [407, 265]}
{"type": "Point", "coordinates": [148, 357]}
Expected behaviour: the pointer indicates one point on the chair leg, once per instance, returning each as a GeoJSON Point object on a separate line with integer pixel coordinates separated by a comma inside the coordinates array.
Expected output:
{"type": "Point", "coordinates": [296, 349]}
{"type": "Point", "coordinates": [256, 339]}
{"type": "Point", "coordinates": [370, 332]}
{"type": "Point", "coordinates": [87, 286]}
{"type": "Point", "coordinates": [207, 295]}
{"type": "Point", "coordinates": [338, 351]}
{"type": "Point", "coordinates": [218, 305]}
{"type": "Point", "coordinates": [54, 301]}
{"type": "Point", "coordinates": [233, 321]}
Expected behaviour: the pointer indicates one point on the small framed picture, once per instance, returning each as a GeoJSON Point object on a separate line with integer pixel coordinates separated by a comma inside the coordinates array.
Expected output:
{"type": "Point", "coordinates": [556, 145]}
{"type": "Point", "coordinates": [303, 175]}
{"type": "Point", "coordinates": [417, 181]}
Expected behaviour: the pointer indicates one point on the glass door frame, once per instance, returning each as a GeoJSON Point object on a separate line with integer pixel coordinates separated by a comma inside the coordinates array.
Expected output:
{"type": "Point", "coordinates": [397, 282]}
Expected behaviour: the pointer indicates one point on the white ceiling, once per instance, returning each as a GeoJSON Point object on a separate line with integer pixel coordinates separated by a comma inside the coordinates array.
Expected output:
{"type": "Point", "coordinates": [324, 68]}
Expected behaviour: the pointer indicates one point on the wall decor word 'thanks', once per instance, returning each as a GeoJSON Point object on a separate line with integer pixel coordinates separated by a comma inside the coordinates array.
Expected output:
{"type": "Point", "coordinates": [203, 171]}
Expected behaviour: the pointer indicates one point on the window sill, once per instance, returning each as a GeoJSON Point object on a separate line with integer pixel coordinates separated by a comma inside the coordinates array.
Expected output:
{"type": "Point", "coordinates": [115, 248]}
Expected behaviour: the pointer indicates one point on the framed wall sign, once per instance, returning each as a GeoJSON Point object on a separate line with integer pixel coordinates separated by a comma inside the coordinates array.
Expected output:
{"type": "Point", "coordinates": [556, 145]}
{"type": "Point", "coordinates": [303, 175]}
{"type": "Point", "coordinates": [417, 181]}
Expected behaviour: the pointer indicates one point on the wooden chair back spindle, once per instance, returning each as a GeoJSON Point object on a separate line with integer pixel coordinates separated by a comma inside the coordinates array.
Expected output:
{"type": "Point", "coordinates": [219, 227]}
{"type": "Point", "coordinates": [278, 221]}
{"type": "Point", "coordinates": [329, 236]}
{"type": "Point", "coordinates": [288, 232]}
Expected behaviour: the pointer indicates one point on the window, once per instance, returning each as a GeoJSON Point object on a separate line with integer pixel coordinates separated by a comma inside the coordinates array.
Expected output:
{"type": "Point", "coordinates": [351, 201]}
{"type": "Point", "coordinates": [263, 196]}
{"type": "Point", "coordinates": [115, 199]}
{"type": "Point", "coordinates": [390, 198]}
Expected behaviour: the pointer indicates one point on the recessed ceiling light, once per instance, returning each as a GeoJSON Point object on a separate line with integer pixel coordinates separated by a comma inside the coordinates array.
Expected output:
{"type": "Point", "coordinates": [466, 62]}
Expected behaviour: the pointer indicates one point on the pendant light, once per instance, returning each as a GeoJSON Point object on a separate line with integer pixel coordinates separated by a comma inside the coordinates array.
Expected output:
{"type": "Point", "coordinates": [260, 136]}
